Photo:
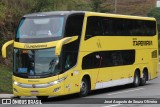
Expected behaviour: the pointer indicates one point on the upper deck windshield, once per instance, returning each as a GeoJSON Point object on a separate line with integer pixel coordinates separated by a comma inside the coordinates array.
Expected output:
{"type": "Point", "coordinates": [40, 29]}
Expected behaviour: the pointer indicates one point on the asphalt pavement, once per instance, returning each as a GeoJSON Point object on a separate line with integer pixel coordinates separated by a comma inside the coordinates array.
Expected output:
{"type": "Point", "coordinates": [150, 91]}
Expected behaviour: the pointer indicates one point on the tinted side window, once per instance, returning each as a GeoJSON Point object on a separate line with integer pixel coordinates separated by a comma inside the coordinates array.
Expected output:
{"type": "Point", "coordinates": [128, 27]}
{"type": "Point", "coordinates": [108, 59]}
{"type": "Point", "coordinates": [91, 61]}
{"type": "Point", "coordinates": [117, 58]}
{"type": "Point", "coordinates": [74, 25]}
{"type": "Point", "coordinates": [113, 27]}
{"type": "Point", "coordinates": [107, 26]}
{"type": "Point", "coordinates": [70, 51]}
{"type": "Point", "coordinates": [128, 57]}
{"type": "Point", "coordinates": [94, 27]}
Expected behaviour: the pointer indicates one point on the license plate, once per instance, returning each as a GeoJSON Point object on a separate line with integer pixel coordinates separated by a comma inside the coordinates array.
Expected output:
{"type": "Point", "coordinates": [34, 92]}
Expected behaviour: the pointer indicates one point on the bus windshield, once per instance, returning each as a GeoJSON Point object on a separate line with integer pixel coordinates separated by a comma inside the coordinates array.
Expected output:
{"type": "Point", "coordinates": [36, 62]}
{"type": "Point", "coordinates": [40, 27]}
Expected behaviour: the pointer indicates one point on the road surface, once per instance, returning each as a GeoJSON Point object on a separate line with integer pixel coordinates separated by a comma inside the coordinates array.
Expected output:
{"type": "Point", "coordinates": [150, 90]}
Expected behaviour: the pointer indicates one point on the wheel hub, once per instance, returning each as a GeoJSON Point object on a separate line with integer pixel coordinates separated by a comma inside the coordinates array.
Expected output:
{"type": "Point", "coordinates": [83, 86]}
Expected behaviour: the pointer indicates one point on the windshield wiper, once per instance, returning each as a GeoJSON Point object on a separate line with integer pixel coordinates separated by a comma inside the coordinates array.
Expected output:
{"type": "Point", "coordinates": [45, 73]}
{"type": "Point", "coordinates": [49, 73]}
{"type": "Point", "coordinates": [53, 64]}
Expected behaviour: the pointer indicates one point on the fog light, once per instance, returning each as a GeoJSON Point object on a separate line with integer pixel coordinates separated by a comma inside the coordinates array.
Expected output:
{"type": "Point", "coordinates": [56, 89]}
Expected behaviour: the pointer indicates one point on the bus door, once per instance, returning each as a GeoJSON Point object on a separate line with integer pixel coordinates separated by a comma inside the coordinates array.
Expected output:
{"type": "Point", "coordinates": [91, 56]}
{"type": "Point", "coordinates": [105, 72]}
{"type": "Point", "coordinates": [92, 47]}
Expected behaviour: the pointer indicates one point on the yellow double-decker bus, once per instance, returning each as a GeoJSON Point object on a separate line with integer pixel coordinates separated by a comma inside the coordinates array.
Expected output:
{"type": "Point", "coordinates": [65, 52]}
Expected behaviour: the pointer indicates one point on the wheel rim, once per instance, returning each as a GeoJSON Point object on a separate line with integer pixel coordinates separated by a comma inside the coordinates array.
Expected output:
{"type": "Point", "coordinates": [83, 87]}
{"type": "Point", "coordinates": [136, 79]}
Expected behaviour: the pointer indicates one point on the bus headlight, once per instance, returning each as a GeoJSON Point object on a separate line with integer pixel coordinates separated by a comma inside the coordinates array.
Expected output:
{"type": "Point", "coordinates": [57, 81]}
{"type": "Point", "coordinates": [16, 83]}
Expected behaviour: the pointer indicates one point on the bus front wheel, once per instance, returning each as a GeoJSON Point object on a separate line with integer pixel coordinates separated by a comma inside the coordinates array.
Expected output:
{"type": "Point", "coordinates": [136, 80]}
{"type": "Point", "coordinates": [84, 88]}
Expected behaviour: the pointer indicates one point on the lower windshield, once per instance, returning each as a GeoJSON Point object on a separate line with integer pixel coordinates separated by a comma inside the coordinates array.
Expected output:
{"type": "Point", "coordinates": [36, 62]}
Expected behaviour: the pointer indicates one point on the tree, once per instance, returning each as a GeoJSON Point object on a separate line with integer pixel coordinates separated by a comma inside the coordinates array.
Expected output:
{"type": "Point", "coordinates": [10, 13]}
{"type": "Point", "coordinates": [155, 12]}
{"type": "Point", "coordinates": [96, 5]}
{"type": "Point", "coordinates": [61, 5]}
{"type": "Point", "coordinates": [81, 5]}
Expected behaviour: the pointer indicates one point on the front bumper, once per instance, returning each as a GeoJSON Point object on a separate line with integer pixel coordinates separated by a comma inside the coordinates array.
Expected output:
{"type": "Point", "coordinates": [55, 90]}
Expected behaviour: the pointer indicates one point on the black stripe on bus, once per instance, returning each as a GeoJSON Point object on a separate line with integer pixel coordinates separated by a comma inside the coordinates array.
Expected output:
{"type": "Point", "coordinates": [112, 58]}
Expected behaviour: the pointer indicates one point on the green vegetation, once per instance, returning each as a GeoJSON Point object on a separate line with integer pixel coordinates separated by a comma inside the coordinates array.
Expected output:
{"type": "Point", "coordinates": [5, 79]}
{"type": "Point", "coordinates": [155, 12]}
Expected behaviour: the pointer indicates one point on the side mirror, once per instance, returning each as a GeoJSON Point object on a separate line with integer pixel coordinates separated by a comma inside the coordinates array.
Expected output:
{"type": "Point", "coordinates": [4, 48]}
{"type": "Point", "coordinates": [64, 41]}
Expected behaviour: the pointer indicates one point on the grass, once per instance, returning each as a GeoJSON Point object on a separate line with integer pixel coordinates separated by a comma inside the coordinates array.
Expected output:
{"type": "Point", "coordinates": [5, 79]}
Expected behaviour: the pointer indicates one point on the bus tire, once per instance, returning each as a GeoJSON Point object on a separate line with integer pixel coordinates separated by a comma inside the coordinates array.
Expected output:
{"type": "Point", "coordinates": [144, 78]}
{"type": "Point", "coordinates": [43, 98]}
{"type": "Point", "coordinates": [136, 80]}
{"type": "Point", "coordinates": [84, 87]}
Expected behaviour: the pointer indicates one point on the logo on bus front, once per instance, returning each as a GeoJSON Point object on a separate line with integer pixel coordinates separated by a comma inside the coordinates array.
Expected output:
{"type": "Point", "coordinates": [33, 86]}
{"type": "Point", "coordinates": [27, 46]}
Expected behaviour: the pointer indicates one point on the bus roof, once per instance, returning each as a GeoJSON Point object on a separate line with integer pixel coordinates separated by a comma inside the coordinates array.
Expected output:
{"type": "Point", "coordinates": [87, 14]}
{"type": "Point", "coordinates": [54, 13]}
{"type": "Point", "coordinates": [119, 16]}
